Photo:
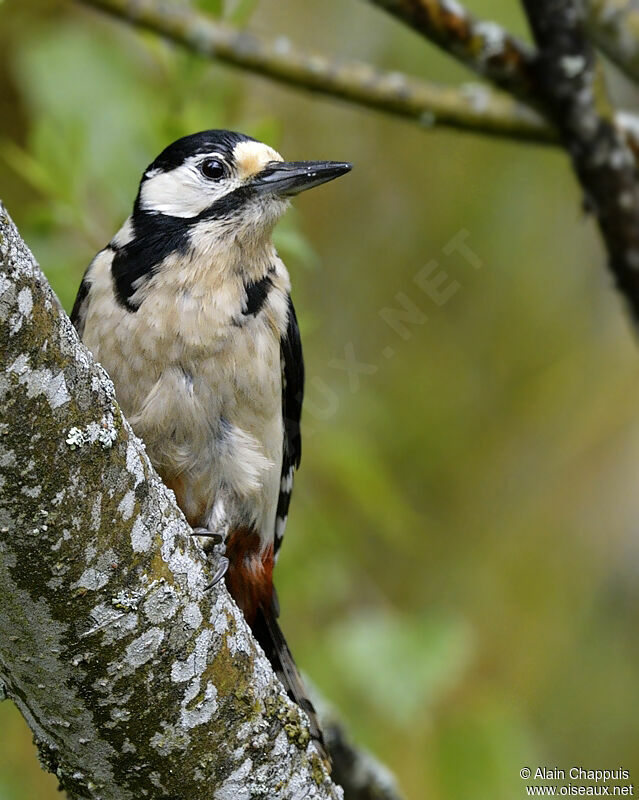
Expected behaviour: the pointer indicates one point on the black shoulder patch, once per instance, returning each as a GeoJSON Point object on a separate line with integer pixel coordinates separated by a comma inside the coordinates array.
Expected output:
{"type": "Point", "coordinates": [155, 237]}
{"type": "Point", "coordinates": [256, 294]}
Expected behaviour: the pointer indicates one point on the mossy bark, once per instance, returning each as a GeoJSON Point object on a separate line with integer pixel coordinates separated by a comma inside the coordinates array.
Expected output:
{"type": "Point", "coordinates": [135, 681]}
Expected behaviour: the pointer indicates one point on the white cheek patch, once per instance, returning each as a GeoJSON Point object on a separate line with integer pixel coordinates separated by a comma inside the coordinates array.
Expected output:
{"type": "Point", "coordinates": [182, 192]}
{"type": "Point", "coordinates": [185, 192]}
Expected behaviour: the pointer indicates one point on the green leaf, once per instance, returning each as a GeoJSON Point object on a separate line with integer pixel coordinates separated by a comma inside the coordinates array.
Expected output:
{"type": "Point", "coordinates": [29, 168]}
{"type": "Point", "coordinates": [213, 7]}
{"type": "Point", "coordinates": [417, 661]}
{"type": "Point", "coordinates": [363, 481]}
{"type": "Point", "coordinates": [241, 11]}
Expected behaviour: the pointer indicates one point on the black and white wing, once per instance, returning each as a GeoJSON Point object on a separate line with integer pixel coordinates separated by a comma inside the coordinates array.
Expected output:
{"type": "Point", "coordinates": [81, 305]}
{"type": "Point", "coordinates": [292, 396]}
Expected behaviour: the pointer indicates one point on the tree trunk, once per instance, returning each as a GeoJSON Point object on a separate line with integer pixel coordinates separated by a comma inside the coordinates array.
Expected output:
{"type": "Point", "coordinates": [135, 681]}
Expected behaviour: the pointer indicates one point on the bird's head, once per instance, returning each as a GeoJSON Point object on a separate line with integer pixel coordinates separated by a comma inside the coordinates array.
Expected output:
{"type": "Point", "coordinates": [226, 185]}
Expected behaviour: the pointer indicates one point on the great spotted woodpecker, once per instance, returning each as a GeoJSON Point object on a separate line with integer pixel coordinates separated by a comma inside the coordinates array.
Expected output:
{"type": "Point", "coordinates": [188, 309]}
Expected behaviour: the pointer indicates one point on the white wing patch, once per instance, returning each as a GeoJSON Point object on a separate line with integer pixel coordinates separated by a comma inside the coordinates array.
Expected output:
{"type": "Point", "coordinates": [287, 481]}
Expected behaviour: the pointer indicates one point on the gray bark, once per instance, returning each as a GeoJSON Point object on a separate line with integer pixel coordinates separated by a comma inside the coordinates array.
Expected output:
{"type": "Point", "coordinates": [567, 79]}
{"type": "Point", "coordinates": [135, 682]}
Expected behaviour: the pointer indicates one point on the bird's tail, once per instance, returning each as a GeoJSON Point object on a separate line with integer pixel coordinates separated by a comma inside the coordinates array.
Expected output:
{"type": "Point", "coordinates": [268, 633]}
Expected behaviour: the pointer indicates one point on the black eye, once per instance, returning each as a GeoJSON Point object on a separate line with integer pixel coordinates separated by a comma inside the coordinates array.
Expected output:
{"type": "Point", "coordinates": [212, 168]}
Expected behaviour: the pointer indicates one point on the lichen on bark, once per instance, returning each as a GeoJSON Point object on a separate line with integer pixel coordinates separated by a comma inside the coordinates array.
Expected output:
{"type": "Point", "coordinates": [135, 681]}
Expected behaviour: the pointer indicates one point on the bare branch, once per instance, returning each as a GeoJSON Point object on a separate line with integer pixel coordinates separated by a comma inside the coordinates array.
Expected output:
{"type": "Point", "coordinates": [490, 51]}
{"type": "Point", "coordinates": [474, 108]}
{"type": "Point", "coordinates": [135, 682]}
{"type": "Point", "coordinates": [483, 46]}
{"type": "Point", "coordinates": [566, 79]}
{"type": "Point", "coordinates": [614, 27]}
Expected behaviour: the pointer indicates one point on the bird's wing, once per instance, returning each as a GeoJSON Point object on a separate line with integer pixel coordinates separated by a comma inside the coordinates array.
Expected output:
{"type": "Point", "coordinates": [81, 305]}
{"type": "Point", "coordinates": [292, 395]}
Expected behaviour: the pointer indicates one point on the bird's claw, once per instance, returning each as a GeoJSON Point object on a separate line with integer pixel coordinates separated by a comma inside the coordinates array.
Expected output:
{"type": "Point", "coordinates": [222, 566]}
{"type": "Point", "coordinates": [215, 539]}
{"type": "Point", "coordinates": [213, 536]}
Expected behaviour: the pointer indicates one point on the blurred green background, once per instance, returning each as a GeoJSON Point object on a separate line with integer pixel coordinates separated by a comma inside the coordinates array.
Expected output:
{"type": "Point", "coordinates": [460, 571]}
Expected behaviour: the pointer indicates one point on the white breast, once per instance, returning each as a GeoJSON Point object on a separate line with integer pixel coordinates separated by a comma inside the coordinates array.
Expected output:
{"type": "Point", "coordinates": [201, 390]}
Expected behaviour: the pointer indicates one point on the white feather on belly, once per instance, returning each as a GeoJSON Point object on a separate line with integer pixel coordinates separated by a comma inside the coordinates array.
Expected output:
{"type": "Point", "coordinates": [203, 393]}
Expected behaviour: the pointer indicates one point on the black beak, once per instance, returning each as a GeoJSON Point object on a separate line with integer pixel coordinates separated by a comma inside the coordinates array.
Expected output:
{"type": "Point", "coordinates": [287, 178]}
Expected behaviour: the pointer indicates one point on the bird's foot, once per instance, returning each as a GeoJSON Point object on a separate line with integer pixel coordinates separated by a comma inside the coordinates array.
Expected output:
{"type": "Point", "coordinates": [220, 572]}
{"type": "Point", "coordinates": [213, 536]}
{"type": "Point", "coordinates": [215, 547]}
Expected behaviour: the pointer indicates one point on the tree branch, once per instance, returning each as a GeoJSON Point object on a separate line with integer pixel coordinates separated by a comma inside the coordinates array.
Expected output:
{"type": "Point", "coordinates": [490, 51]}
{"type": "Point", "coordinates": [614, 27]}
{"type": "Point", "coordinates": [473, 108]}
{"type": "Point", "coordinates": [135, 682]}
{"type": "Point", "coordinates": [482, 46]}
{"type": "Point", "coordinates": [486, 48]}
{"type": "Point", "coordinates": [566, 79]}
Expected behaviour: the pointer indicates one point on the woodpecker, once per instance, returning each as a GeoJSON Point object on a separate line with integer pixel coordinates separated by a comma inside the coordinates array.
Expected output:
{"type": "Point", "coordinates": [188, 308]}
